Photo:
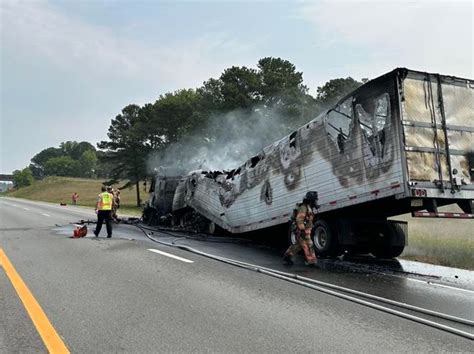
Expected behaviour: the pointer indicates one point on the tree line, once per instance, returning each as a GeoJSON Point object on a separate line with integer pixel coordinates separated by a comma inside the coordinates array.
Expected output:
{"type": "Point", "coordinates": [70, 159]}
{"type": "Point", "coordinates": [274, 88]}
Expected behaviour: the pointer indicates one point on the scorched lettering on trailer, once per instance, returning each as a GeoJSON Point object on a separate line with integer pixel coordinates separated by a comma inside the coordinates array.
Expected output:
{"type": "Point", "coordinates": [356, 137]}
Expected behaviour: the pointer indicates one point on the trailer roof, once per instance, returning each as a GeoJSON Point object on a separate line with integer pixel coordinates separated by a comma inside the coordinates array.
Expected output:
{"type": "Point", "coordinates": [402, 72]}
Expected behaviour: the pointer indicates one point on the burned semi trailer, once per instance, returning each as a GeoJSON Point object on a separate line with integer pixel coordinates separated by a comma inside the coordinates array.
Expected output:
{"type": "Point", "coordinates": [403, 142]}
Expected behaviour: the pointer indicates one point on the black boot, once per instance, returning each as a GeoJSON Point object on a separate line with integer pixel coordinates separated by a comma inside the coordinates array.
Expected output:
{"type": "Point", "coordinates": [287, 259]}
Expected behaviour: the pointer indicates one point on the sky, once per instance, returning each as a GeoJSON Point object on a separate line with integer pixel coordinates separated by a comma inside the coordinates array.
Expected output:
{"type": "Point", "coordinates": [68, 67]}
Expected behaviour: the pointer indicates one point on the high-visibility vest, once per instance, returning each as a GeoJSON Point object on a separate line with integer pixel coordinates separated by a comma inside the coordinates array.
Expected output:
{"type": "Point", "coordinates": [105, 201]}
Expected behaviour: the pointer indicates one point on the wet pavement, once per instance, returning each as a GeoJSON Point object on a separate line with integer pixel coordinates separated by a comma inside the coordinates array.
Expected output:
{"type": "Point", "coordinates": [437, 288]}
{"type": "Point", "coordinates": [114, 295]}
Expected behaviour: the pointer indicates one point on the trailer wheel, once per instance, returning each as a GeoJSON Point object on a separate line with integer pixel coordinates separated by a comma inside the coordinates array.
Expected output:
{"type": "Point", "coordinates": [149, 216]}
{"type": "Point", "coordinates": [325, 241]}
{"type": "Point", "coordinates": [392, 245]}
{"type": "Point", "coordinates": [214, 229]}
{"type": "Point", "coordinates": [146, 215]}
{"type": "Point", "coordinates": [291, 235]}
{"type": "Point", "coordinates": [211, 228]}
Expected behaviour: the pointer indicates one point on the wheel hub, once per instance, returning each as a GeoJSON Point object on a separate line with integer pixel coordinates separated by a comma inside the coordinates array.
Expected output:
{"type": "Point", "coordinates": [320, 238]}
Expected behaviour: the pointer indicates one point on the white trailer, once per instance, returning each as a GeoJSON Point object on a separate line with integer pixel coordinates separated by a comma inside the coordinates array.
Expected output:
{"type": "Point", "coordinates": [403, 142]}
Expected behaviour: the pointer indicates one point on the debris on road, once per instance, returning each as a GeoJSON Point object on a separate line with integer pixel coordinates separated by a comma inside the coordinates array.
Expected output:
{"type": "Point", "coordinates": [80, 231]}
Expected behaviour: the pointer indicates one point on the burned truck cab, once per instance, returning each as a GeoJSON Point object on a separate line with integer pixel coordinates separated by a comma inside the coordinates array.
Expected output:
{"type": "Point", "coordinates": [160, 200]}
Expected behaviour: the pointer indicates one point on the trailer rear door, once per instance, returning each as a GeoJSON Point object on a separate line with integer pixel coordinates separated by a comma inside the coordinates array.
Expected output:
{"type": "Point", "coordinates": [438, 126]}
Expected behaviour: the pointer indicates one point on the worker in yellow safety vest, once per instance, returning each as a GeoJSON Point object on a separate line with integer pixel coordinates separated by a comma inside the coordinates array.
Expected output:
{"type": "Point", "coordinates": [103, 209]}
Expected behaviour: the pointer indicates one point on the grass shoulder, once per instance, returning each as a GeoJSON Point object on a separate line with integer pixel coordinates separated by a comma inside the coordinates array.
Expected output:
{"type": "Point", "coordinates": [60, 190]}
{"type": "Point", "coordinates": [447, 242]}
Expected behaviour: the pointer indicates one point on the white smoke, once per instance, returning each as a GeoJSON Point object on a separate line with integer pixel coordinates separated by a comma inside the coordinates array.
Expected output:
{"type": "Point", "coordinates": [225, 143]}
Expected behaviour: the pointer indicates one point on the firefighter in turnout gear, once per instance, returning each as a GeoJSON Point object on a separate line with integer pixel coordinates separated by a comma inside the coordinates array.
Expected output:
{"type": "Point", "coordinates": [302, 225]}
{"type": "Point", "coordinates": [103, 209]}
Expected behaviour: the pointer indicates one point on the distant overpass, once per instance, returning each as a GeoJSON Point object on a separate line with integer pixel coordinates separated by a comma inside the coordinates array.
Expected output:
{"type": "Point", "coordinates": [5, 178]}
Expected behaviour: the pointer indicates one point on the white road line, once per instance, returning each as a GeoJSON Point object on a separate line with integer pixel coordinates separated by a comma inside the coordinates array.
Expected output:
{"type": "Point", "coordinates": [45, 215]}
{"type": "Point", "coordinates": [79, 210]}
{"type": "Point", "coordinates": [170, 255]}
{"type": "Point", "coordinates": [26, 209]}
{"type": "Point", "coordinates": [440, 285]}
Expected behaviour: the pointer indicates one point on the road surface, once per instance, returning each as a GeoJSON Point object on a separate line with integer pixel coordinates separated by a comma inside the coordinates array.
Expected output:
{"type": "Point", "coordinates": [133, 295]}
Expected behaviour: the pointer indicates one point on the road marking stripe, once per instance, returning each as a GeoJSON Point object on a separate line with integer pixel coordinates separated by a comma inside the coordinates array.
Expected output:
{"type": "Point", "coordinates": [26, 209]}
{"type": "Point", "coordinates": [50, 337]}
{"type": "Point", "coordinates": [49, 205]}
{"type": "Point", "coordinates": [45, 215]}
{"type": "Point", "coordinates": [170, 255]}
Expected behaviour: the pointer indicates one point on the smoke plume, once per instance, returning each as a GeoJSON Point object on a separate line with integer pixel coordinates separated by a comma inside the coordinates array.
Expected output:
{"type": "Point", "coordinates": [226, 142]}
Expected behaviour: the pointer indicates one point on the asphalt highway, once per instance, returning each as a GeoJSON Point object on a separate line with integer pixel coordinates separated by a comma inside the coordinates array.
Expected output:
{"type": "Point", "coordinates": [129, 294]}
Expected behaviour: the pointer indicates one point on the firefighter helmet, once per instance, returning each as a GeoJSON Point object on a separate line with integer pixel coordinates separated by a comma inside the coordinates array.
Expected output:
{"type": "Point", "coordinates": [311, 198]}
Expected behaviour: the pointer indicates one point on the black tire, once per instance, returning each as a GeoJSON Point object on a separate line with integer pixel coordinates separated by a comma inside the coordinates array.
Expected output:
{"type": "Point", "coordinates": [148, 215]}
{"type": "Point", "coordinates": [211, 228]}
{"type": "Point", "coordinates": [326, 243]}
{"type": "Point", "coordinates": [291, 237]}
{"type": "Point", "coordinates": [145, 215]}
{"type": "Point", "coordinates": [392, 245]}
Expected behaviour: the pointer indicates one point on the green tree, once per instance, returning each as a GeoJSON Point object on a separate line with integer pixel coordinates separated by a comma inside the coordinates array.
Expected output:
{"type": "Point", "coordinates": [62, 166]}
{"type": "Point", "coordinates": [284, 93]}
{"type": "Point", "coordinates": [38, 161]}
{"type": "Point", "coordinates": [212, 99]}
{"type": "Point", "coordinates": [173, 116]}
{"type": "Point", "coordinates": [88, 162]}
{"type": "Point", "coordinates": [240, 88]}
{"type": "Point", "coordinates": [68, 148]}
{"type": "Point", "coordinates": [276, 86]}
{"type": "Point", "coordinates": [279, 77]}
{"type": "Point", "coordinates": [74, 149]}
{"type": "Point", "coordinates": [71, 149]}
{"type": "Point", "coordinates": [128, 147]}
{"type": "Point", "coordinates": [103, 166]}
{"type": "Point", "coordinates": [333, 90]}
{"type": "Point", "coordinates": [22, 178]}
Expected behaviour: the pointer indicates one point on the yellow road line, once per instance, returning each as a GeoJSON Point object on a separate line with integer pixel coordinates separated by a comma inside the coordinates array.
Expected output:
{"type": "Point", "coordinates": [51, 339]}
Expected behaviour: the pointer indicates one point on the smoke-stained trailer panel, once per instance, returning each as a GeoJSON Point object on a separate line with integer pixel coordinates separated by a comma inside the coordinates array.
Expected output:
{"type": "Point", "coordinates": [354, 153]}
{"type": "Point", "coordinates": [438, 125]}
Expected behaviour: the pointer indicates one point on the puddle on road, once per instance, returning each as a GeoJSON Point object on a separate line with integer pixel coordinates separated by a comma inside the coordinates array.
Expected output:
{"type": "Point", "coordinates": [416, 270]}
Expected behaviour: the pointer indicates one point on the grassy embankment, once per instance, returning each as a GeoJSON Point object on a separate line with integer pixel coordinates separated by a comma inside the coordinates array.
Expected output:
{"type": "Point", "coordinates": [60, 189]}
{"type": "Point", "coordinates": [447, 242]}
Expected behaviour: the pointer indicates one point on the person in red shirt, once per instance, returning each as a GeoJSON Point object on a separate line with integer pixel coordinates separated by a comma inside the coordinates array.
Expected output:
{"type": "Point", "coordinates": [75, 197]}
